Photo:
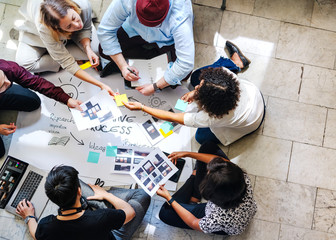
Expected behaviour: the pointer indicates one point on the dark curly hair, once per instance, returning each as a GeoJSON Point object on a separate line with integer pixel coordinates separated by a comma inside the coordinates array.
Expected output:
{"type": "Point", "coordinates": [219, 92]}
{"type": "Point", "coordinates": [224, 184]}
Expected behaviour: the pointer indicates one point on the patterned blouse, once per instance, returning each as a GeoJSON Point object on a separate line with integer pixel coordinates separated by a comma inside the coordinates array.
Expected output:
{"type": "Point", "coordinates": [232, 221]}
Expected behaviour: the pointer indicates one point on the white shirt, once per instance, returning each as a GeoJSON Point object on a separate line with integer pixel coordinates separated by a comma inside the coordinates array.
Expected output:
{"type": "Point", "coordinates": [245, 118]}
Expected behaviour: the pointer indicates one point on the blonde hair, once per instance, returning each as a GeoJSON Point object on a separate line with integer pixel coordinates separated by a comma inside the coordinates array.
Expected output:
{"type": "Point", "coordinates": [52, 11]}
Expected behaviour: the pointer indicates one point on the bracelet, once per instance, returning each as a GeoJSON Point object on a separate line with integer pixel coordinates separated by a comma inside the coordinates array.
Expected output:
{"type": "Point", "coordinates": [171, 201]}
{"type": "Point", "coordinates": [30, 217]}
{"type": "Point", "coordinates": [142, 107]}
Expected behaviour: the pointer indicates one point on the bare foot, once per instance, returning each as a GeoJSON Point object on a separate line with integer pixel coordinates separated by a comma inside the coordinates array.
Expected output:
{"type": "Point", "coordinates": [236, 59]}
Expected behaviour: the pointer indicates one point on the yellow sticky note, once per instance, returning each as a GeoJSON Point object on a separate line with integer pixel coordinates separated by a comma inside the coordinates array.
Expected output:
{"type": "Point", "coordinates": [164, 134]}
{"type": "Point", "coordinates": [120, 98]}
{"type": "Point", "coordinates": [85, 65]}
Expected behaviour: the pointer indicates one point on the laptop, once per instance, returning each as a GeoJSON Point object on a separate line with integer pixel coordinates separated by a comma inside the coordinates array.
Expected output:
{"type": "Point", "coordinates": [20, 180]}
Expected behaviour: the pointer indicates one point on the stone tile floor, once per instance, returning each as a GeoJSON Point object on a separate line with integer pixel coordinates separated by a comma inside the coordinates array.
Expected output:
{"type": "Point", "coordinates": [292, 45]}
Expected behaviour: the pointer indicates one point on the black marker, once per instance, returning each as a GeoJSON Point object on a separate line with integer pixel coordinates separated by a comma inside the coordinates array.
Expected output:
{"type": "Point", "coordinates": [132, 71]}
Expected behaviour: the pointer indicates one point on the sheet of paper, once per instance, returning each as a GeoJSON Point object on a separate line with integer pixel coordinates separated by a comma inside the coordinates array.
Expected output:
{"type": "Point", "coordinates": [111, 151]}
{"type": "Point", "coordinates": [99, 109]}
{"type": "Point", "coordinates": [120, 98]}
{"type": "Point", "coordinates": [85, 65]}
{"type": "Point", "coordinates": [128, 157]}
{"type": "Point", "coordinates": [153, 171]}
{"type": "Point", "coordinates": [166, 127]}
{"type": "Point", "coordinates": [151, 70]}
{"type": "Point", "coordinates": [93, 157]}
{"type": "Point", "coordinates": [181, 105]}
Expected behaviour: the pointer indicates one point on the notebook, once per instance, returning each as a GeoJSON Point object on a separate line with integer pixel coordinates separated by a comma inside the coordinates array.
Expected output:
{"type": "Point", "coordinates": [151, 70]}
{"type": "Point", "coordinates": [20, 180]}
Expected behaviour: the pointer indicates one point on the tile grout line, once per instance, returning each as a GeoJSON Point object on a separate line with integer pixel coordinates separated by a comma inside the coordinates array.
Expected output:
{"type": "Point", "coordinates": [290, 160]}
{"type": "Point", "coordinates": [325, 127]}
{"type": "Point", "coordinates": [312, 224]}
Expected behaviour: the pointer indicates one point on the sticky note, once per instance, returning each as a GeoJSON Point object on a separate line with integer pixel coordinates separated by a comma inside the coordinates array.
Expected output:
{"type": "Point", "coordinates": [93, 157]}
{"type": "Point", "coordinates": [166, 127]}
{"type": "Point", "coordinates": [85, 65]}
{"type": "Point", "coordinates": [165, 134]}
{"type": "Point", "coordinates": [120, 98]}
{"type": "Point", "coordinates": [181, 105]}
{"type": "Point", "coordinates": [111, 151]}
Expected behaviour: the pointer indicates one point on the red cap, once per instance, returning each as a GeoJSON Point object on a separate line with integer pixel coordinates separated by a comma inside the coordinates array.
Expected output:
{"type": "Point", "coordinates": [152, 12]}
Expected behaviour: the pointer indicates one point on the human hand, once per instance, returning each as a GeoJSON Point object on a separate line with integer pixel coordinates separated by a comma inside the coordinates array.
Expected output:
{"type": "Point", "coordinates": [108, 89]}
{"type": "Point", "coordinates": [146, 89]}
{"type": "Point", "coordinates": [74, 103]}
{"type": "Point", "coordinates": [25, 209]}
{"type": "Point", "coordinates": [128, 75]}
{"type": "Point", "coordinates": [99, 193]}
{"type": "Point", "coordinates": [133, 105]}
{"type": "Point", "coordinates": [189, 96]}
{"type": "Point", "coordinates": [93, 58]}
{"type": "Point", "coordinates": [6, 129]}
{"type": "Point", "coordinates": [163, 192]}
{"type": "Point", "coordinates": [176, 155]}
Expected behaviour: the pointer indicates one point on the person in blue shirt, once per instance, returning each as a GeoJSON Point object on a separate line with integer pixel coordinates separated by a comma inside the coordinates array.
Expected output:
{"type": "Point", "coordinates": [145, 29]}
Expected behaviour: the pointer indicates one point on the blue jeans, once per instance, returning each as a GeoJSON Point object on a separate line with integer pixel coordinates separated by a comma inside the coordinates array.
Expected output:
{"type": "Point", "coordinates": [205, 134]}
{"type": "Point", "coordinates": [20, 99]}
{"type": "Point", "coordinates": [191, 189]}
{"type": "Point", "coordinates": [140, 201]}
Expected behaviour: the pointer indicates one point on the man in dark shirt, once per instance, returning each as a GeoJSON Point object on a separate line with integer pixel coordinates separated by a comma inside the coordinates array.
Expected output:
{"type": "Point", "coordinates": [74, 221]}
{"type": "Point", "coordinates": [18, 97]}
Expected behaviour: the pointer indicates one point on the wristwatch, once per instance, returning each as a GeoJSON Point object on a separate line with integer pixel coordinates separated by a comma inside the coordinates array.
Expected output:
{"type": "Point", "coordinates": [156, 88]}
{"type": "Point", "coordinates": [29, 217]}
{"type": "Point", "coordinates": [171, 201]}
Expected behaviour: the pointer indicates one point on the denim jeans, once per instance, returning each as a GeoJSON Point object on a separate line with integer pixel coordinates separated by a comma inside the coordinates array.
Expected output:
{"type": "Point", "coordinates": [137, 198]}
{"type": "Point", "coordinates": [20, 99]}
{"type": "Point", "coordinates": [204, 134]}
{"type": "Point", "coordinates": [191, 189]}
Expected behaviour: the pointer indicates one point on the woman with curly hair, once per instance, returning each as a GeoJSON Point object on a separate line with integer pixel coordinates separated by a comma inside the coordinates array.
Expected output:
{"type": "Point", "coordinates": [55, 34]}
{"type": "Point", "coordinates": [227, 108]}
{"type": "Point", "coordinates": [230, 206]}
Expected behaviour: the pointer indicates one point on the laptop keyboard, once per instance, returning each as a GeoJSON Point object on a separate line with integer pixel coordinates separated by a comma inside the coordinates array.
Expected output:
{"type": "Point", "coordinates": [28, 188]}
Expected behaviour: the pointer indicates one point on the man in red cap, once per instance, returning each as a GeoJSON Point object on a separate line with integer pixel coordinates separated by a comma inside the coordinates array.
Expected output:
{"type": "Point", "coordinates": [145, 29]}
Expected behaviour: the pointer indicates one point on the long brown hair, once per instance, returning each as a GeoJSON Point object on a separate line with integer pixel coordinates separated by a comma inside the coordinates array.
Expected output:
{"type": "Point", "coordinates": [52, 11]}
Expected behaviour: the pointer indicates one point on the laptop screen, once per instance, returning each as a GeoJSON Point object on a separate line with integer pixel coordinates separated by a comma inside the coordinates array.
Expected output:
{"type": "Point", "coordinates": [10, 175]}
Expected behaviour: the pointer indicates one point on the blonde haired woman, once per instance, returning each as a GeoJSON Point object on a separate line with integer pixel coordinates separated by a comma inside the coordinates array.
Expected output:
{"type": "Point", "coordinates": [44, 43]}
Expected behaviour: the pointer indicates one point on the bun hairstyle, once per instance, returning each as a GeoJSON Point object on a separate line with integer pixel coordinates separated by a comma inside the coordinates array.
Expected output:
{"type": "Point", "coordinates": [224, 184]}
{"type": "Point", "coordinates": [52, 11]}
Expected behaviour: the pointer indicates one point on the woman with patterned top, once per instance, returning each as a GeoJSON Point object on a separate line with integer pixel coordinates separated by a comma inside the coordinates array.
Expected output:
{"type": "Point", "coordinates": [226, 186]}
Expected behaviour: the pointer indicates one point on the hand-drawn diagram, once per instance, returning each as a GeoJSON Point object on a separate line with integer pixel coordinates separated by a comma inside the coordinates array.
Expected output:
{"type": "Point", "coordinates": [156, 102]}
{"type": "Point", "coordinates": [59, 140]}
{"type": "Point", "coordinates": [70, 89]}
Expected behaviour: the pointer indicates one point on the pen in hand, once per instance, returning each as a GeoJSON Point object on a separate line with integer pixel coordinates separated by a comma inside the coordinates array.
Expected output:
{"type": "Point", "coordinates": [132, 71]}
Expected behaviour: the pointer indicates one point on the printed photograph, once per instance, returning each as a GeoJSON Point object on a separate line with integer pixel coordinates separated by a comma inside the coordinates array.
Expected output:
{"type": "Point", "coordinates": [140, 154]}
{"type": "Point", "coordinates": [158, 179]}
{"type": "Point", "coordinates": [151, 186]}
{"type": "Point", "coordinates": [149, 167]}
{"type": "Point", "coordinates": [124, 151]}
{"type": "Point", "coordinates": [158, 160]}
{"type": "Point", "coordinates": [146, 181]}
{"type": "Point", "coordinates": [122, 168]}
{"type": "Point", "coordinates": [123, 160]}
{"type": "Point", "coordinates": [165, 169]}
{"type": "Point", "coordinates": [150, 129]}
{"type": "Point", "coordinates": [137, 160]}
{"type": "Point", "coordinates": [141, 175]}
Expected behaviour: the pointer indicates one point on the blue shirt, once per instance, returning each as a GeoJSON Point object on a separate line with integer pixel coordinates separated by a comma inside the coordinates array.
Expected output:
{"type": "Point", "coordinates": [176, 28]}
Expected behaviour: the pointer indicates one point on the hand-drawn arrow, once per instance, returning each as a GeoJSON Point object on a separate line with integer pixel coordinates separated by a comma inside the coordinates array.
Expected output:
{"type": "Point", "coordinates": [133, 99]}
{"type": "Point", "coordinates": [79, 142]}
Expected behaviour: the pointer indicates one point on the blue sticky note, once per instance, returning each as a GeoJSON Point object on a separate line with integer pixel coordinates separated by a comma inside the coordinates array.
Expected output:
{"type": "Point", "coordinates": [166, 127]}
{"type": "Point", "coordinates": [111, 151]}
{"type": "Point", "coordinates": [93, 157]}
{"type": "Point", "coordinates": [181, 105]}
